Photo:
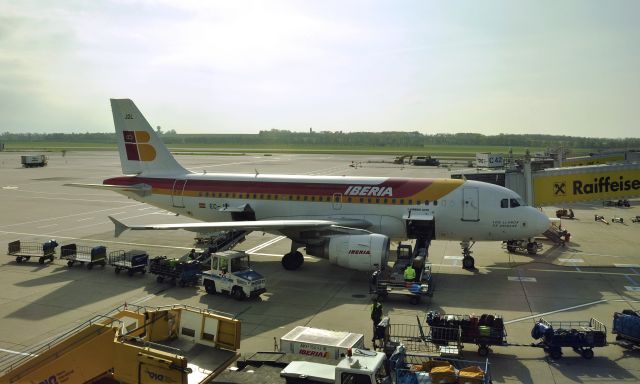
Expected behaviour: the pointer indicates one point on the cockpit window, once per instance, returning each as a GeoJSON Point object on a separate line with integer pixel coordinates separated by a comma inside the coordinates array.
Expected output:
{"type": "Point", "coordinates": [504, 203]}
{"type": "Point", "coordinates": [515, 203]}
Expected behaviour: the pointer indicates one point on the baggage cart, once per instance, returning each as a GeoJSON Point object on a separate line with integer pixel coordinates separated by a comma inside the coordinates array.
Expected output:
{"type": "Point", "coordinates": [484, 331]}
{"type": "Point", "coordinates": [626, 327]}
{"type": "Point", "coordinates": [184, 273]}
{"type": "Point", "coordinates": [581, 336]}
{"type": "Point", "coordinates": [130, 261]}
{"type": "Point", "coordinates": [25, 250]}
{"type": "Point", "coordinates": [435, 341]}
{"type": "Point", "coordinates": [82, 254]}
{"type": "Point", "coordinates": [416, 368]}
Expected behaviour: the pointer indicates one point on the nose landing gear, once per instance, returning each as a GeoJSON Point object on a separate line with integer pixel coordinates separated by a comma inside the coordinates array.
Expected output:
{"type": "Point", "coordinates": [468, 262]}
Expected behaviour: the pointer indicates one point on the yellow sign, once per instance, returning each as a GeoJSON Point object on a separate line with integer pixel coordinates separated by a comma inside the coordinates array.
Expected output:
{"type": "Point", "coordinates": [585, 186]}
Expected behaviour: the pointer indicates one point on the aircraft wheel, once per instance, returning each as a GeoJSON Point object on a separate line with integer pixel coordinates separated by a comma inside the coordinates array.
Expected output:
{"type": "Point", "coordinates": [468, 263]}
{"type": "Point", "coordinates": [292, 261]}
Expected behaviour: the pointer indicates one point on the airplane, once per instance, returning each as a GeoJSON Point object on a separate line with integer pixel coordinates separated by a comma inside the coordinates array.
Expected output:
{"type": "Point", "coordinates": [348, 220]}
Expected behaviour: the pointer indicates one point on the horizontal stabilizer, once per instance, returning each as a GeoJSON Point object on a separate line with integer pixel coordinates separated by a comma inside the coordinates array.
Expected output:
{"type": "Point", "coordinates": [140, 189]}
{"type": "Point", "coordinates": [119, 226]}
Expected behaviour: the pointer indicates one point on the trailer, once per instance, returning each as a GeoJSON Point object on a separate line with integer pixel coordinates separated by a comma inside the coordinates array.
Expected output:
{"type": "Point", "coordinates": [416, 338]}
{"type": "Point", "coordinates": [390, 281]}
{"type": "Point", "coordinates": [82, 254]}
{"type": "Point", "coordinates": [581, 336]}
{"type": "Point", "coordinates": [130, 261]}
{"type": "Point", "coordinates": [31, 161]}
{"type": "Point", "coordinates": [415, 368]}
{"type": "Point", "coordinates": [484, 331]}
{"type": "Point", "coordinates": [626, 327]}
{"type": "Point", "coordinates": [184, 273]}
{"type": "Point", "coordinates": [25, 250]}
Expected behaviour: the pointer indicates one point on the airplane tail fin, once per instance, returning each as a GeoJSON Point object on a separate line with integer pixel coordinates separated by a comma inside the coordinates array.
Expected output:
{"type": "Point", "coordinates": [141, 149]}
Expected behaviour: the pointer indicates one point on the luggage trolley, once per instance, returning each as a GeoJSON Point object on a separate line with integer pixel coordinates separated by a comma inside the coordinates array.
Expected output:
{"type": "Point", "coordinates": [25, 250]}
{"type": "Point", "coordinates": [484, 330]}
{"type": "Point", "coordinates": [626, 327]}
{"type": "Point", "coordinates": [581, 336]}
{"type": "Point", "coordinates": [130, 261]}
{"type": "Point", "coordinates": [436, 341]}
{"type": "Point", "coordinates": [183, 272]}
{"type": "Point", "coordinates": [84, 254]}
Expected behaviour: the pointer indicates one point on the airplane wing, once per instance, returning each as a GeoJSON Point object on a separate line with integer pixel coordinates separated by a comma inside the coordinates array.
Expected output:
{"type": "Point", "coordinates": [278, 226]}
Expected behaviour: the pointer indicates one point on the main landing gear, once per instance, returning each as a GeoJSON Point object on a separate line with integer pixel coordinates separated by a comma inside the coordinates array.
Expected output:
{"type": "Point", "coordinates": [468, 262]}
{"type": "Point", "coordinates": [293, 260]}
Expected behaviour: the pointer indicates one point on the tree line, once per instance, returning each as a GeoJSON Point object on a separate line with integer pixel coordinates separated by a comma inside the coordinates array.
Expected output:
{"type": "Point", "coordinates": [395, 139]}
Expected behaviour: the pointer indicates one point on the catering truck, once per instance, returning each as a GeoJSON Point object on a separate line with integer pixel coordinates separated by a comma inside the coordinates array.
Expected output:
{"type": "Point", "coordinates": [30, 161]}
{"type": "Point", "coordinates": [320, 342]}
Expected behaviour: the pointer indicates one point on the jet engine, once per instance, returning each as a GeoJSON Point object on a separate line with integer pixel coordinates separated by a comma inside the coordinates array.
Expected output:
{"type": "Point", "coordinates": [359, 252]}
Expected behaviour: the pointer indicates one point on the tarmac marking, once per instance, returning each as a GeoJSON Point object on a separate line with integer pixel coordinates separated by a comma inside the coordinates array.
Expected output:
{"type": "Point", "coordinates": [627, 265]}
{"type": "Point", "coordinates": [67, 216]}
{"type": "Point", "coordinates": [454, 257]}
{"type": "Point", "coordinates": [265, 244]}
{"type": "Point", "coordinates": [523, 279]}
{"type": "Point", "coordinates": [571, 260]}
{"type": "Point", "coordinates": [556, 311]}
{"type": "Point", "coordinates": [48, 225]}
{"type": "Point", "coordinates": [17, 353]}
{"type": "Point", "coordinates": [631, 280]}
{"type": "Point", "coordinates": [85, 219]}
{"type": "Point", "coordinates": [632, 289]}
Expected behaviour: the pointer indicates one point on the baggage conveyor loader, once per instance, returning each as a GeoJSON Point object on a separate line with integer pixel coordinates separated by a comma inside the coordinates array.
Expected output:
{"type": "Point", "coordinates": [132, 344]}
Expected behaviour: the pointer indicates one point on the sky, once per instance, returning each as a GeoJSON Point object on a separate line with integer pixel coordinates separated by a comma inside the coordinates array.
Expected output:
{"type": "Point", "coordinates": [526, 66]}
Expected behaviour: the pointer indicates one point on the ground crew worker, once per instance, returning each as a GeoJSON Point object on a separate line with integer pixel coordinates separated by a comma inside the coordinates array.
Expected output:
{"type": "Point", "coordinates": [409, 273]}
{"type": "Point", "coordinates": [376, 317]}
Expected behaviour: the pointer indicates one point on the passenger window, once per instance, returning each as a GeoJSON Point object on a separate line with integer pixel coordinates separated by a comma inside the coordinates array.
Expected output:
{"type": "Point", "coordinates": [514, 203]}
{"type": "Point", "coordinates": [504, 203]}
{"type": "Point", "coordinates": [435, 202]}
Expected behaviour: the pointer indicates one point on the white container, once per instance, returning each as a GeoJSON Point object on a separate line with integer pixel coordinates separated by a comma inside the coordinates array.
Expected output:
{"type": "Point", "coordinates": [320, 342]}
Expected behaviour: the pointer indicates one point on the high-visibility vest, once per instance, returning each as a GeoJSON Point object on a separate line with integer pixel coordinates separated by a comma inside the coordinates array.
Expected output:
{"type": "Point", "coordinates": [409, 273]}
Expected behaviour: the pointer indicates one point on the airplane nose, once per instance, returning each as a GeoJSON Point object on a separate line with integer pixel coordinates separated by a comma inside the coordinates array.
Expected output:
{"type": "Point", "coordinates": [542, 222]}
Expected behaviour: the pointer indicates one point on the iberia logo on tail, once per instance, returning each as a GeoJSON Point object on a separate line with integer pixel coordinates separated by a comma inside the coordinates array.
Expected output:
{"type": "Point", "coordinates": [136, 145]}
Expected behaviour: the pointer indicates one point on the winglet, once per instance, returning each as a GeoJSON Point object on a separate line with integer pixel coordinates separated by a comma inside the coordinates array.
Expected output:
{"type": "Point", "coordinates": [119, 226]}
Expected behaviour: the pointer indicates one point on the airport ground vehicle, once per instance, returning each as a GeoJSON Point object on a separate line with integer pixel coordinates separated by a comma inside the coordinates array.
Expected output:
{"type": "Point", "coordinates": [31, 161]}
{"type": "Point", "coordinates": [130, 261]}
{"type": "Point", "coordinates": [132, 344]}
{"type": "Point", "coordinates": [183, 273]}
{"type": "Point", "coordinates": [522, 246]}
{"type": "Point", "coordinates": [25, 250]}
{"type": "Point", "coordinates": [620, 203]}
{"type": "Point", "coordinates": [322, 343]}
{"type": "Point", "coordinates": [358, 366]}
{"type": "Point", "coordinates": [425, 160]}
{"type": "Point", "coordinates": [231, 274]}
{"type": "Point", "coordinates": [390, 280]}
{"type": "Point", "coordinates": [82, 254]}
{"type": "Point", "coordinates": [484, 330]}
{"type": "Point", "coordinates": [581, 336]}
{"type": "Point", "coordinates": [635, 219]}
{"type": "Point", "coordinates": [565, 213]}
{"type": "Point", "coordinates": [626, 327]}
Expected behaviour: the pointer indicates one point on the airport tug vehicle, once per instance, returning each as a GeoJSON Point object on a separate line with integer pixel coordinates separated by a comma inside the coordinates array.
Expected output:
{"type": "Point", "coordinates": [231, 274]}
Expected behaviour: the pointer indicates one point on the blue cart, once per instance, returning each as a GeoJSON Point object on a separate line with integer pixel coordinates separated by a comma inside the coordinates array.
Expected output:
{"type": "Point", "coordinates": [626, 327]}
{"type": "Point", "coordinates": [130, 261]}
{"type": "Point", "coordinates": [83, 254]}
{"type": "Point", "coordinates": [184, 273]}
{"type": "Point", "coordinates": [581, 336]}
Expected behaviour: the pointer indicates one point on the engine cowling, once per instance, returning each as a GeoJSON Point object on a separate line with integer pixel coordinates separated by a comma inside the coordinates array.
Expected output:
{"type": "Point", "coordinates": [359, 252]}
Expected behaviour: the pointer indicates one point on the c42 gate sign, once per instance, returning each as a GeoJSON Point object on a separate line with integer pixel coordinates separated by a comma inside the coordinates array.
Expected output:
{"type": "Point", "coordinates": [556, 186]}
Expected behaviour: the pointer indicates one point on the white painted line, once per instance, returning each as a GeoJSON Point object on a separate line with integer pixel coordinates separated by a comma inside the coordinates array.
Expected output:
{"type": "Point", "coordinates": [48, 225]}
{"type": "Point", "coordinates": [16, 352]}
{"type": "Point", "coordinates": [9, 187]}
{"type": "Point", "coordinates": [143, 299]}
{"type": "Point", "coordinates": [118, 213]}
{"type": "Point", "coordinates": [627, 265]}
{"type": "Point", "coordinates": [265, 244]}
{"type": "Point", "coordinates": [631, 280]}
{"type": "Point", "coordinates": [571, 260]}
{"type": "Point", "coordinates": [632, 289]}
{"type": "Point", "coordinates": [454, 257]}
{"type": "Point", "coordinates": [523, 279]}
{"type": "Point", "coordinates": [85, 219]}
{"type": "Point", "coordinates": [556, 311]}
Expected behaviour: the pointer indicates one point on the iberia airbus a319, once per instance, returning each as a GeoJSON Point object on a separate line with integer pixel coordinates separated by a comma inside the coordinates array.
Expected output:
{"type": "Point", "coordinates": [348, 220]}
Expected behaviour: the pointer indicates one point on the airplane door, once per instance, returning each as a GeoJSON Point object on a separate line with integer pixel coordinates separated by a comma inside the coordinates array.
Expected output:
{"type": "Point", "coordinates": [177, 193]}
{"type": "Point", "coordinates": [337, 201]}
{"type": "Point", "coordinates": [470, 207]}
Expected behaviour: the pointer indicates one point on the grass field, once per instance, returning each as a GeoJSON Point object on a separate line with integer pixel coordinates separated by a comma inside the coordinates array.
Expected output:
{"type": "Point", "coordinates": [449, 151]}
